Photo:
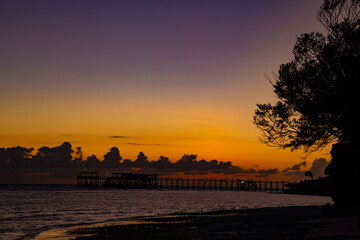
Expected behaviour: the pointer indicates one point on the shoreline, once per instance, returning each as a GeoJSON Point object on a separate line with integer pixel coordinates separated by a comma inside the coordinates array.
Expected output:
{"type": "Point", "coordinates": [291, 222]}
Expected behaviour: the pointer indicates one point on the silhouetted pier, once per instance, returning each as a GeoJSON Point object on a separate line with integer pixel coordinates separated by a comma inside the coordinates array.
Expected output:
{"type": "Point", "coordinates": [89, 179]}
{"type": "Point", "coordinates": [152, 181]}
{"type": "Point", "coordinates": [130, 180]}
{"type": "Point", "coordinates": [220, 184]}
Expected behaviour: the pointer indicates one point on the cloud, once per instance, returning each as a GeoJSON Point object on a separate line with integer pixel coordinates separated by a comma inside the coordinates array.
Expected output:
{"type": "Point", "coordinates": [318, 167]}
{"type": "Point", "coordinates": [117, 136]}
{"type": "Point", "coordinates": [112, 158]}
{"type": "Point", "coordinates": [296, 167]}
{"type": "Point", "coordinates": [266, 173]}
{"type": "Point", "coordinates": [63, 162]}
{"type": "Point", "coordinates": [143, 144]}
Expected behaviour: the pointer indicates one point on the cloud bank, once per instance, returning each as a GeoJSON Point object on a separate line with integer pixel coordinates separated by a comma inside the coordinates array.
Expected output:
{"type": "Point", "coordinates": [62, 162]}
{"type": "Point", "coordinates": [298, 170]}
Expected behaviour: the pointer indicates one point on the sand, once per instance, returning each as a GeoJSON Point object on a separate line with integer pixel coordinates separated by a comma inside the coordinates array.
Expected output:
{"type": "Point", "coordinates": [298, 222]}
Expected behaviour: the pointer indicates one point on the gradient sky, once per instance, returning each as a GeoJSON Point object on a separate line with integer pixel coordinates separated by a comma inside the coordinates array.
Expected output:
{"type": "Point", "coordinates": [162, 77]}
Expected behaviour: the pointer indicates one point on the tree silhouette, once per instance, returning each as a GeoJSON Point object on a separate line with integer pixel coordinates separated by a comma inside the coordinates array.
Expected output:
{"type": "Point", "coordinates": [317, 90]}
{"type": "Point", "coordinates": [318, 93]}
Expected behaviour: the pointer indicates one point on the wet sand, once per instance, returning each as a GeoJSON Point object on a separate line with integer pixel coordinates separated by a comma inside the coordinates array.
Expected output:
{"type": "Point", "coordinates": [298, 222]}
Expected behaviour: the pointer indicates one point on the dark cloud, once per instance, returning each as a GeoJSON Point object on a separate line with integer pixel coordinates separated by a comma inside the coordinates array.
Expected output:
{"type": "Point", "coordinates": [112, 158]}
{"type": "Point", "coordinates": [18, 163]}
{"type": "Point", "coordinates": [93, 162]}
{"type": "Point", "coordinates": [266, 173]}
{"type": "Point", "coordinates": [318, 167]}
{"type": "Point", "coordinates": [295, 170]}
{"type": "Point", "coordinates": [296, 167]}
{"type": "Point", "coordinates": [143, 144]}
{"type": "Point", "coordinates": [232, 170]}
{"type": "Point", "coordinates": [117, 136]}
{"type": "Point", "coordinates": [141, 161]}
{"type": "Point", "coordinates": [296, 174]}
{"type": "Point", "coordinates": [250, 171]}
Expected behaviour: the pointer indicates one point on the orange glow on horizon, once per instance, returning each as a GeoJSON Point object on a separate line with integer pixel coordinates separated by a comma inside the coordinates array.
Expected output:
{"type": "Point", "coordinates": [174, 78]}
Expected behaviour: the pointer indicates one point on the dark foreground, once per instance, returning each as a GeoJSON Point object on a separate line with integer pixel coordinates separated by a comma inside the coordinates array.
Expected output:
{"type": "Point", "coordinates": [309, 222]}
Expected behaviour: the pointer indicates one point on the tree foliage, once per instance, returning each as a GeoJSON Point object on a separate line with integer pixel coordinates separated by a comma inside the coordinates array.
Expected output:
{"type": "Point", "coordinates": [318, 90]}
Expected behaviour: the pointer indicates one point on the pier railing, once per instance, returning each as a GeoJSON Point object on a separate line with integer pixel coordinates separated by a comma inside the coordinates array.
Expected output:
{"type": "Point", "coordinates": [151, 181]}
{"type": "Point", "coordinates": [220, 184]}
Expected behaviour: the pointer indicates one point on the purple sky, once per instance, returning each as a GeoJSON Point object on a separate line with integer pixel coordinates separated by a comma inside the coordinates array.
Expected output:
{"type": "Point", "coordinates": [156, 71]}
{"type": "Point", "coordinates": [145, 43]}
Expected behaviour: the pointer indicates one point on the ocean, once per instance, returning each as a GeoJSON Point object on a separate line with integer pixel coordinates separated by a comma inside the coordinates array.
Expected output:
{"type": "Point", "coordinates": [29, 210]}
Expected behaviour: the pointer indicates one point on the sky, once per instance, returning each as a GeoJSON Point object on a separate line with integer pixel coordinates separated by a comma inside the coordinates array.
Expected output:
{"type": "Point", "coordinates": [161, 77]}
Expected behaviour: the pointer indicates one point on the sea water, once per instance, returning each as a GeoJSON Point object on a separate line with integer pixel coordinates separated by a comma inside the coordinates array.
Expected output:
{"type": "Point", "coordinates": [28, 210]}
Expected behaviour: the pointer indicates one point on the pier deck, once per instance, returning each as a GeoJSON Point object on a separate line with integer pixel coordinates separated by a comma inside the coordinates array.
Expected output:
{"type": "Point", "coordinates": [152, 181]}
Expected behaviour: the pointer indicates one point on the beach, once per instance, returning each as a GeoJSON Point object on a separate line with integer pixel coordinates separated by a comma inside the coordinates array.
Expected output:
{"type": "Point", "coordinates": [294, 222]}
